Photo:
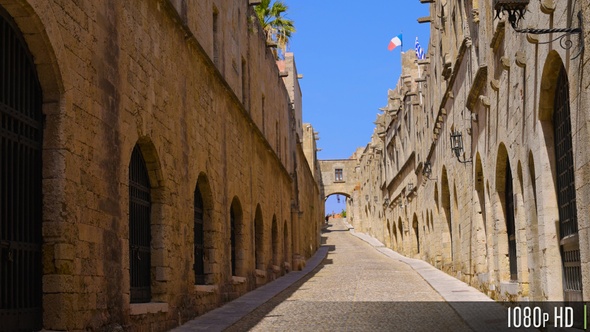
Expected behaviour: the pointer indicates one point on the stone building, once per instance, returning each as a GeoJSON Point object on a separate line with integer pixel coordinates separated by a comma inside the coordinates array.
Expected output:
{"type": "Point", "coordinates": [479, 163]}
{"type": "Point", "coordinates": [152, 163]}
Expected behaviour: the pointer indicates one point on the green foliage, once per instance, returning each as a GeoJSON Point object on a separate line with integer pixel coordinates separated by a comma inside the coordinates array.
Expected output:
{"type": "Point", "coordinates": [276, 27]}
{"type": "Point", "coordinates": [343, 213]}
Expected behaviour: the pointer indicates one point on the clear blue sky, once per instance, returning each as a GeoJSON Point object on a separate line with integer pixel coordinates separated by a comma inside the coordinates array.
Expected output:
{"type": "Point", "coordinates": [341, 49]}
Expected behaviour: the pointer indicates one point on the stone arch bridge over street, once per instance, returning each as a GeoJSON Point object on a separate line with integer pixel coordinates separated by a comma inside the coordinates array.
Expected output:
{"type": "Point", "coordinates": [338, 177]}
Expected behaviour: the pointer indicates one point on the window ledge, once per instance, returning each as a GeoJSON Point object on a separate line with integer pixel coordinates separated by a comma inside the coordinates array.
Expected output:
{"type": "Point", "coordinates": [238, 280]}
{"type": "Point", "coordinates": [205, 288]}
{"type": "Point", "coordinates": [509, 287]}
{"type": "Point", "coordinates": [147, 308]}
{"type": "Point", "coordinates": [260, 273]}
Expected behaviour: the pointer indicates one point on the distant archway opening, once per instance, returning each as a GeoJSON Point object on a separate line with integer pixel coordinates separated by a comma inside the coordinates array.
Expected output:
{"type": "Point", "coordinates": [336, 203]}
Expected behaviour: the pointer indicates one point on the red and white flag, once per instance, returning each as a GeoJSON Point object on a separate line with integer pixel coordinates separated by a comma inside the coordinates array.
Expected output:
{"type": "Point", "coordinates": [395, 42]}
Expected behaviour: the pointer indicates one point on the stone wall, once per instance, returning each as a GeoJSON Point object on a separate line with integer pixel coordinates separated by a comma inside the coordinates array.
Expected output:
{"type": "Point", "coordinates": [193, 84]}
{"type": "Point", "coordinates": [497, 89]}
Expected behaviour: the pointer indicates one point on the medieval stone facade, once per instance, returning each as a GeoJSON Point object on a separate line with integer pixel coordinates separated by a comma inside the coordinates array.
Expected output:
{"type": "Point", "coordinates": [165, 151]}
{"type": "Point", "coordinates": [479, 163]}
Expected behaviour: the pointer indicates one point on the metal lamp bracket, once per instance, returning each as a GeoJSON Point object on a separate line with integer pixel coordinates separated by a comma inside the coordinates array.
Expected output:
{"type": "Point", "coordinates": [514, 17]}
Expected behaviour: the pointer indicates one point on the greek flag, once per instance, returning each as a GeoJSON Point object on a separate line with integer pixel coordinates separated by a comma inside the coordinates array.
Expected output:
{"type": "Point", "coordinates": [419, 52]}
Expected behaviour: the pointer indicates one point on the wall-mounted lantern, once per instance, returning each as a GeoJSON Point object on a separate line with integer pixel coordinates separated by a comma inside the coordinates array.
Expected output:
{"type": "Point", "coordinates": [457, 146]}
{"type": "Point", "coordinates": [386, 201]}
{"type": "Point", "coordinates": [427, 170]}
{"type": "Point", "coordinates": [375, 198]}
{"type": "Point", "coordinates": [409, 187]}
{"type": "Point", "coordinates": [516, 10]}
{"type": "Point", "coordinates": [367, 198]}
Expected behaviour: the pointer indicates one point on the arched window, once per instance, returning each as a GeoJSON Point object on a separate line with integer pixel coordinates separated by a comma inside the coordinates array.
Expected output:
{"type": "Point", "coordinates": [275, 241]}
{"type": "Point", "coordinates": [286, 242]}
{"type": "Point", "coordinates": [416, 232]}
{"type": "Point", "coordinates": [237, 241]}
{"type": "Point", "coordinates": [510, 223]}
{"type": "Point", "coordinates": [232, 222]}
{"type": "Point", "coordinates": [446, 205]}
{"type": "Point", "coordinates": [139, 229]}
{"type": "Point", "coordinates": [259, 239]}
{"type": "Point", "coordinates": [566, 191]}
{"type": "Point", "coordinates": [199, 238]}
{"type": "Point", "coordinates": [20, 183]}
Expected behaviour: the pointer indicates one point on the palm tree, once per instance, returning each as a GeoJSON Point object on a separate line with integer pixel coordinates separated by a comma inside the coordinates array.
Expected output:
{"type": "Point", "coordinates": [276, 27]}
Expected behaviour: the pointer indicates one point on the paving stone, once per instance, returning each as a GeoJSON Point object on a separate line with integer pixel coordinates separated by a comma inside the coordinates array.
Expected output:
{"type": "Point", "coordinates": [355, 284]}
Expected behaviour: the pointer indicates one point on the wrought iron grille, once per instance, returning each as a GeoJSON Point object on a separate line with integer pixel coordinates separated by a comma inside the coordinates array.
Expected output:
{"type": "Point", "coordinates": [568, 222]}
{"type": "Point", "coordinates": [20, 183]}
{"type": "Point", "coordinates": [566, 191]}
{"type": "Point", "coordinates": [572, 273]}
{"type": "Point", "coordinates": [510, 224]}
{"type": "Point", "coordinates": [199, 239]}
{"type": "Point", "coordinates": [139, 229]}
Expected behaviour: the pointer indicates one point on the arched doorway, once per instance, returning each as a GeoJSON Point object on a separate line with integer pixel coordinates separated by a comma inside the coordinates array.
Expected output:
{"type": "Point", "coordinates": [20, 182]}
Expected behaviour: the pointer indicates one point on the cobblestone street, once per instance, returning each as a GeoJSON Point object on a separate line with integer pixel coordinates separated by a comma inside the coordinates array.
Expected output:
{"type": "Point", "coordinates": [355, 283]}
{"type": "Point", "coordinates": [356, 288]}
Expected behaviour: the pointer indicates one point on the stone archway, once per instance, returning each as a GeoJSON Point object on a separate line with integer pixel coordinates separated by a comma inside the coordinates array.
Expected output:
{"type": "Point", "coordinates": [347, 199]}
{"type": "Point", "coordinates": [338, 177]}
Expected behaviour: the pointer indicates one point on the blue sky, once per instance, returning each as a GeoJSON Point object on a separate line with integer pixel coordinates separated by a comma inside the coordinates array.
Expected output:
{"type": "Point", "coordinates": [341, 49]}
